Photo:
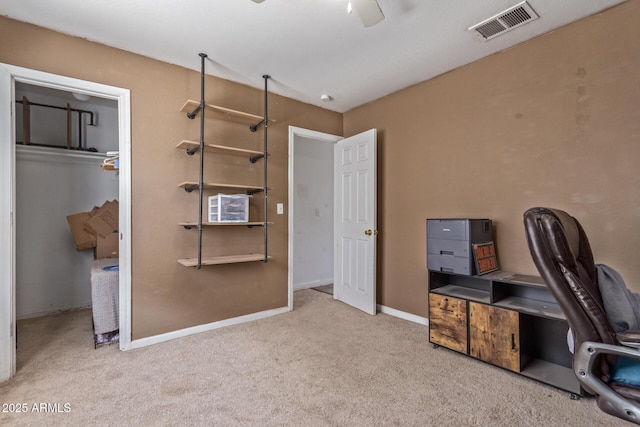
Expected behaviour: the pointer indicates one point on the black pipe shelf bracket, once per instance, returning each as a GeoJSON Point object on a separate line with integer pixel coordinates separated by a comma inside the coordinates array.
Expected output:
{"type": "Point", "coordinates": [192, 111]}
{"type": "Point", "coordinates": [254, 128]}
{"type": "Point", "coordinates": [192, 114]}
{"type": "Point", "coordinates": [190, 188]}
{"type": "Point", "coordinates": [254, 159]}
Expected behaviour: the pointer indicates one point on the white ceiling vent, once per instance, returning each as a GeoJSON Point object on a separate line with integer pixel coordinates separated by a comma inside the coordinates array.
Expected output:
{"type": "Point", "coordinates": [504, 21]}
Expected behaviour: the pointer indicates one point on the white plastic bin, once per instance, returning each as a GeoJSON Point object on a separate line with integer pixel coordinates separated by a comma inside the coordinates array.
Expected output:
{"type": "Point", "coordinates": [229, 208]}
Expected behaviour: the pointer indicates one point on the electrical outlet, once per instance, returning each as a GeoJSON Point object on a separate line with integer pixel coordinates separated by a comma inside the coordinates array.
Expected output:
{"type": "Point", "coordinates": [280, 208]}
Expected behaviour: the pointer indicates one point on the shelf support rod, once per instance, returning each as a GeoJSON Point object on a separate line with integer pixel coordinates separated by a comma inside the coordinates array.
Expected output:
{"type": "Point", "coordinates": [265, 122]}
{"type": "Point", "coordinates": [201, 181]}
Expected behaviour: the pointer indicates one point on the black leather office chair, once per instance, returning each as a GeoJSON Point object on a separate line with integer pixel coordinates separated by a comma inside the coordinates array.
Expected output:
{"type": "Point", "coordinates": [561, 252]}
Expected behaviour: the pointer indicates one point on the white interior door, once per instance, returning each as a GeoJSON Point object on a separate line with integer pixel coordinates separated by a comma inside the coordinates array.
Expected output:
{"type": "Point", "coordinates": [355, 232]}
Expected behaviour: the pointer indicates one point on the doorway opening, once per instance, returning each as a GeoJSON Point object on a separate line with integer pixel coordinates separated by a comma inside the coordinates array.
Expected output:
{"type": "Point", "coordinates": [311, 212]}
{"type": "Point", "coordinates": [16, 82]}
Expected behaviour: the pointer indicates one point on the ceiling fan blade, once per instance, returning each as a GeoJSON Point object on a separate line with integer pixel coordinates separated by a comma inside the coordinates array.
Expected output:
{"type": "Point", "coordinates": [368, 10]}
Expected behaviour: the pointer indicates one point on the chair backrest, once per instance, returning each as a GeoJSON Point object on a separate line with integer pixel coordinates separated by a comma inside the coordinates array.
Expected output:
{"type": "Point", "coordinates": [561, 252]}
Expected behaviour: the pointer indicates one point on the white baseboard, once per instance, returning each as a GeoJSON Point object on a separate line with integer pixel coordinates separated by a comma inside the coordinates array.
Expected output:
{"type": "Point", "coordinates": [312, 284]}
{"type": "Point", "coordinates": [31, 315]}
{"type": "Point", "coordinates": [403, 315]}
{"type": "Point", "coordinates": [156, 339]}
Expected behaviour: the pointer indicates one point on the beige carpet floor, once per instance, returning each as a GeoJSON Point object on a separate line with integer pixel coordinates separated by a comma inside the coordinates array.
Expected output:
{"type": "Point", "coordinates": [323, 364]}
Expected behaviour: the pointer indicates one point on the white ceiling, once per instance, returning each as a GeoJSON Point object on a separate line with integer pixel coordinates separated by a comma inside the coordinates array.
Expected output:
{"type": "Point", "coordinates": [309, 47]}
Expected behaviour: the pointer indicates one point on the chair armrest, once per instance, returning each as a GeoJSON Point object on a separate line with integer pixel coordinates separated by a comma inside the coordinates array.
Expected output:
{"type": "Point", "coordinates": [629, 338]}
{"type": "Point", "coordinates": [583, 363]}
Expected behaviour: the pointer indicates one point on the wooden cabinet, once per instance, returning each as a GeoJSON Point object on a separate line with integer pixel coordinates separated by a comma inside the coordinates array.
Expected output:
{"type": "Point", "coordinates": [494, 335]}
{"type": "Point", "coordinates": [448, 322]}
{"type": "Point", "coordinates": [507, 319]}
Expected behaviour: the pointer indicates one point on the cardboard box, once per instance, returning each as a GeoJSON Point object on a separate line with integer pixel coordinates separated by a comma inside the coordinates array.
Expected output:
{"type": "Point", "coordinates": [97, 229]}
{"type": "Point", "coordinates": [84, 239]}
{"type": "Point", "coordinates": [103, 221]}
{"type": "Point", "coordinates": [108, 247]}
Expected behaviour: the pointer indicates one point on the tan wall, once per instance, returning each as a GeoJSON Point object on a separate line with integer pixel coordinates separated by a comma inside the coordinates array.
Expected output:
{"type": "Point", "coordinates": [552, 122]}
{"type": "Point", "coordinates": [167, 296]}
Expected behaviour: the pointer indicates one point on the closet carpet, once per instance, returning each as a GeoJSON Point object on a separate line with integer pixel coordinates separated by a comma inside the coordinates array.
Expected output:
{"type": "Point", "coordinates": [323, 364]}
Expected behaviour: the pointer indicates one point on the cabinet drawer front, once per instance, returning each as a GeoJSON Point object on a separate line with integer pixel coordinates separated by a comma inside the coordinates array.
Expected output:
{"type": "Point", "coordinates": [448, 322]}
{"type": "Point", "coordinates": [494, 335]}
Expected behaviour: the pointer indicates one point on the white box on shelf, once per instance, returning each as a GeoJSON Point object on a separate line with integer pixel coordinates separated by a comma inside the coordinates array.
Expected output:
{"type": "Point", "coordinates": [229, 208]}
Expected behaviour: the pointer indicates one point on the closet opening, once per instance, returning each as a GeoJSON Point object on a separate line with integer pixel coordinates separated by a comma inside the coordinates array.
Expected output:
{"type": "Point", "coordinates": [66, 174]}
{"type": "Point", "coordinates": [35, 300]}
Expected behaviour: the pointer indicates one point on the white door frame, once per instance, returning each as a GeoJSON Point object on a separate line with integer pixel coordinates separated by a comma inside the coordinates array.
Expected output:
{"type": "Point", "coordinates": [9, 75]}
{"type": "Point", "coordinates": [296, 132]}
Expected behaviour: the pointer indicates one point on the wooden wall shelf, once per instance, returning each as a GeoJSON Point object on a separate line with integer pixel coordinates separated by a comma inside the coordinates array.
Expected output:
{"type": "Point", "coordinates": [215, 185]}
{"type": "Point", "coordinates": [204, 110]}
{"type": "Point", "coordinates": [212, 224]}
{"type": "Point", "coordinates": [222, 113]}
{"type": "Point", "coordinates": [219, 149]}
{"type": "Point", "coordinates": [229, 259]}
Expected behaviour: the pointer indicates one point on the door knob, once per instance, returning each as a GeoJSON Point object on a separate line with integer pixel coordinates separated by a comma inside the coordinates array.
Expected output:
{"type": "Point", "coordinates": [370, 232]}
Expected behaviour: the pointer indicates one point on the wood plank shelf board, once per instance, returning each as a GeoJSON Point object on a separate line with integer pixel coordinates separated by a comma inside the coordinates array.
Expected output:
{"type": "Point", "coordinates": [222, 113]}
{"type": "Point", "coordinates": [219, 185]}
{"type": "Point", "coordinates": [208, 224]}
{"type": "Point", "coordinates": [525, 279]}
{"type": "Point", "coordinates": [229, 259]}
{"type": "Point", "coordinates": [552, 373]}
{"type": "Point", "coordinates": [219, 149]}
{"type": "Point", "coordinates": [463, 292]}
{"type": "Point", "coordinates": [526, 305]}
